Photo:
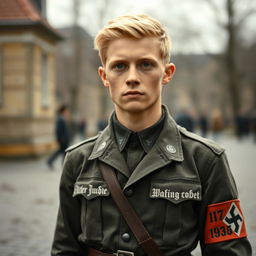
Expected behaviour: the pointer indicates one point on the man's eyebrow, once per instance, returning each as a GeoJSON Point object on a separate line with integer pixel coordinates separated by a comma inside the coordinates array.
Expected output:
{"type": "Point", "coordinates": [112, 62]}
{"type": "Point", "coordinates": [147, 58]}
{"type": "Point", "coordinates": [139, 59]}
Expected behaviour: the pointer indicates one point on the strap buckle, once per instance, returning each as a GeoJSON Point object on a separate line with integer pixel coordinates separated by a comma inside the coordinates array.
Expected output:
{"type": "Point", "coordinates": [123, 253]}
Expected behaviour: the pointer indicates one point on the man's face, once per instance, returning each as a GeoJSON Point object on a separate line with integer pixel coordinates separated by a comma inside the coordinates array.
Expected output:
{"type": "Point", "coordinates": [134, 72]}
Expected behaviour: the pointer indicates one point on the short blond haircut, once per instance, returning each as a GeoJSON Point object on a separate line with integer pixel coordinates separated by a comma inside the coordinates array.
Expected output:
{"type": "Point", "coordinates": [133, 26]}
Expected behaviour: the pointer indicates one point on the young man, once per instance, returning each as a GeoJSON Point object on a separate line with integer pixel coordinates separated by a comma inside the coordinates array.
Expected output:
{"type": "Point", "coordinates": [179, 184]}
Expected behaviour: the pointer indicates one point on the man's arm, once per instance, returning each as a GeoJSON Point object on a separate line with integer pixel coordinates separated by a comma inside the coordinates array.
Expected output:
{"type": "Point", "coordinates": [68, 226]}
{"type": "Point", "coordinates": [222, 227]}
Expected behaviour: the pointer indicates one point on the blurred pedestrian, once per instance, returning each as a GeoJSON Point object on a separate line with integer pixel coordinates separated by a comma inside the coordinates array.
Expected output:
{"type": "Point", "coordinates": [62, 134]}
{"type": "Point", "coordinates": [217, 124]}
{"type": "Point", "coordinates": [81, 127]}
{"type": "Point", "coordinates": [185, 120]}
{"type": "Point", "coordinates": [203, 124]}
{"type": "Point", "coordinates": [242, 124]}
{"type": "Point", "coordinates": [253, 125]}
{"type": "Point", "coordinates": [102, 123]}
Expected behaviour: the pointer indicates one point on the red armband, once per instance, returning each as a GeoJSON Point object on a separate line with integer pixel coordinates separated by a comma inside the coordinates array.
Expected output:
{"type": "Point", "coordinates": [224, 221]}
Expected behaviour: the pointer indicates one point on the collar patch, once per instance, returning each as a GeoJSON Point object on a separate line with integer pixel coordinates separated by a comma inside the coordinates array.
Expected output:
{"type": "Point", "coordinates": [171, 149]}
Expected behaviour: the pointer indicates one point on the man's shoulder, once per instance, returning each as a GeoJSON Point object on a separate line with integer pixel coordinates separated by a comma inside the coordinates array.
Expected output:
{"type": "Point", "coordinates": [82, 144]}
{"type": "Point", "coordinates": [204, 142]}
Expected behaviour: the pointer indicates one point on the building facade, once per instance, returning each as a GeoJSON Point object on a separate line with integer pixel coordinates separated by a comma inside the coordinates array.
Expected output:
{"type": "Point", "coordinates": [27, 79]}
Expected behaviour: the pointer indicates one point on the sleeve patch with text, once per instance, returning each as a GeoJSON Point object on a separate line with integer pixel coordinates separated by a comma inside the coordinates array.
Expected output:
{"type": "Point", "coordinates": [224, 221]}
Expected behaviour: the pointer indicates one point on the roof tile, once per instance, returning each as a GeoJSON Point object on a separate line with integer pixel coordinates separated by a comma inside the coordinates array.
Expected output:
{"type": "Point", "coordinates": [18, 9]}
{"type": "Point", "coordinates": [20, 12]}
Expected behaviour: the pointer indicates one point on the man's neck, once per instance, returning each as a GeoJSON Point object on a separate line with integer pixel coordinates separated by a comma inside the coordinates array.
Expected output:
{"type": "Point", "coordinates": [138, 121]}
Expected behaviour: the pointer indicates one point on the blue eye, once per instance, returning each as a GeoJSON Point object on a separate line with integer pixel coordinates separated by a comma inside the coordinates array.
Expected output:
{"type": "Point", "coordinates": [146, 64]}
{"type": "Point", "coordinates": [119, 66]}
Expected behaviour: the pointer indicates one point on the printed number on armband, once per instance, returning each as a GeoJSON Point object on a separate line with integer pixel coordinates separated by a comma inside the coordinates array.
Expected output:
{"type": "Point", "coordinates": [220, 231]}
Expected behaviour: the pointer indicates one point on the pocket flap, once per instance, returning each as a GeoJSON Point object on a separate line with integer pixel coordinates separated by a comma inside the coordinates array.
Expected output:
{"type": "Point", "coordinates": [176, 191]}
{"type": "Point", "coordinates": [91, 188]}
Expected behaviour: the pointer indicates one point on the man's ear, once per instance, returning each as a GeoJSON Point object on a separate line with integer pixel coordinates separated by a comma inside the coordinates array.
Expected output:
{"type": "Point", "coordinates": [103, 76]}
{"type": "Point", "coordinates": [168, 73]}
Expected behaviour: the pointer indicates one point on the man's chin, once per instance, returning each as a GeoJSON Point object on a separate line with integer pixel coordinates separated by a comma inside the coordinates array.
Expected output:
{"type": "Point", "coordinates": [134, 107]}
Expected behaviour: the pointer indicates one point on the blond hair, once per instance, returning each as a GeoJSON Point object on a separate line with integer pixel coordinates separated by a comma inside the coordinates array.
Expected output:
{"type": "Point", "coordinates": [132, 26]}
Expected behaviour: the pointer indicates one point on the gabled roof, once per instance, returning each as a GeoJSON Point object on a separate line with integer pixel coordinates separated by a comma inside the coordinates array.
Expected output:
{"type": "Point", "coordinates": [20, 13]}
{"type": "Point", "coordinates": [18, 9]}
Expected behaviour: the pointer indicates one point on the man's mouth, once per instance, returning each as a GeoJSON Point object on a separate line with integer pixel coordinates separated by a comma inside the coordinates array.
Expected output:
{"type": "Point", "coordinates": [133, 93]}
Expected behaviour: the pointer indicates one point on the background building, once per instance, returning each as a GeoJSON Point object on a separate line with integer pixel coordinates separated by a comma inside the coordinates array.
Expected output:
{"type": "Point", "coordinates": [27, 78]}
{"type": "Point", "coordinates": [78, 83]}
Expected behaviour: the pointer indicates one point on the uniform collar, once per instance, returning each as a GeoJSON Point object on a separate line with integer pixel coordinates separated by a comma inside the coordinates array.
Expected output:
{"type": "Point", "coordinates": [147, 136]}
{"type": "Point", "coordinates": [167, 148]}
{"type": "Point", "coordinates": [168, 142]}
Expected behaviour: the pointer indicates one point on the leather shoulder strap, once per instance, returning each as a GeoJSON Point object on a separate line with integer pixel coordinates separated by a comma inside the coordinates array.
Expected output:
{"type": "Point", "coordinates": [140, 232]}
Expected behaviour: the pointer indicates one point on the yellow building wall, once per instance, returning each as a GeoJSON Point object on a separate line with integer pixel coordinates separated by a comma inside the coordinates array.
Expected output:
{"type": "Point", "coordinates": [37, 81]}
{"type": "Point", "coordinates": [14, 79]}
{"type": "Point", "coordinates": [26, 125]}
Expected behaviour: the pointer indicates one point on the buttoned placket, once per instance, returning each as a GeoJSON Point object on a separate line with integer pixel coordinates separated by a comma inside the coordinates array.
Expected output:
{"type": "Point", "coordinates": [135, 152]}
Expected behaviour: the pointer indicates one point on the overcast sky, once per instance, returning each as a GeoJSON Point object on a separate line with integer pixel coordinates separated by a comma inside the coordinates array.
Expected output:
{"type": "Point", "coordinates": [191, 23]}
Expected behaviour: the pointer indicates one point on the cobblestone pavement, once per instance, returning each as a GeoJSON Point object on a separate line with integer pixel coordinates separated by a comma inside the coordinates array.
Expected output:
{"type": "Point", "coordinates": [29, 200]}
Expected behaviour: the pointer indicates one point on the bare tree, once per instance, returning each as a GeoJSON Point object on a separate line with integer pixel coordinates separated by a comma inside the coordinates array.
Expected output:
{"type": "Point", "coordinates": [76, 69]}
{"type": "Point", "coordinates": [232, 25]}
{"type": "Point", "coordinates": [103, 8]}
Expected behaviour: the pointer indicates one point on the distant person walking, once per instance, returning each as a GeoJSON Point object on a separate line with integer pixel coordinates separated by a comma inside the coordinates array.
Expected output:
{"type": "Point", "coordinates": [81, 128]}
{"type": "Point", "coordinates": [203, 124]}
{"type": "Point", "coordinates": [253, 125]}
{"type": "Point", "coordinates": [62, 134]}
{"type": "Point", "coordinates": [217, 124]}
{"type": "Point", "coordinates": [242, 124]}
{"type": "Point", "coordinates": [185, 120]}
{"type": "Point", "coordinates": [102, 123]}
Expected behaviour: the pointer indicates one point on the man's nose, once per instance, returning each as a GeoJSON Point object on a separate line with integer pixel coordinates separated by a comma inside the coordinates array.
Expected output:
{"type": "Point", "coordinates": [133, 77]}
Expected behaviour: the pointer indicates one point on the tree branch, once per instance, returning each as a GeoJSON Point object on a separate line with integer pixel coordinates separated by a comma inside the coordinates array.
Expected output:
{"type": "Point", "coordinates": [245, 16]}
{"type": "Point", "coordinates": [216, 11]}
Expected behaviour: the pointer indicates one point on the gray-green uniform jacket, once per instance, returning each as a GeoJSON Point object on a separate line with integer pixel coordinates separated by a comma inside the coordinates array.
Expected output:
{"type": "Point", "coordinates": [170, 189]}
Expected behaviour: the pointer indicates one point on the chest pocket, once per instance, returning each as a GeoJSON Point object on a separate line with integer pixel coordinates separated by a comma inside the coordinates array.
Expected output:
{"type": "Point", "coordinates": [91, 192]}
{"type": "Point", "coordinates": [180, 197]}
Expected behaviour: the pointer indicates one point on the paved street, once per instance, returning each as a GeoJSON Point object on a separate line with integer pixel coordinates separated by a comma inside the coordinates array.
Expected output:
{"type": "Point", "coordinates": [29, 200]}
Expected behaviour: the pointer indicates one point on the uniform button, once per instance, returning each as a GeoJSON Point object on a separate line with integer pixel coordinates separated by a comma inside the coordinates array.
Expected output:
{"type": "Point", "coordinates": [126, 237]}
{"type": "Point", "coordinates": [128, 192]}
